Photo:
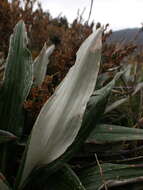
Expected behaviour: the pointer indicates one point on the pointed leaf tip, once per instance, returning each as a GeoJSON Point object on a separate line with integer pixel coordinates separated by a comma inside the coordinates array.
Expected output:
{"type": "Point", "coordinates": [40, 64]}
{"type": "Point", "coordinates": [60, 119]}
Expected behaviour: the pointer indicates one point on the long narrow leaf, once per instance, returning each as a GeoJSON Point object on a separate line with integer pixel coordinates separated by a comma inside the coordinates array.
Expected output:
{"type": "Point", "coordinates": [115, 105]}
{"type": "Point", "coordinates": [63, 179]}
{"type": "Point", "coordinates": [94, 177]}
{"type": "Point", "coordinates": [40, 64]}
{"type": "Point", "coordinates": [94, 111]}
{"type": "Point", "coordinates": [6, 136]}
{"type": "Point", "coordinates": [112, 133]}
{"type": "Point", "coordinates": [118, 103]}
{"type": "Point", "coordinates": [60, 119]}
{"type": "Point", "coordinates": [17, 81]}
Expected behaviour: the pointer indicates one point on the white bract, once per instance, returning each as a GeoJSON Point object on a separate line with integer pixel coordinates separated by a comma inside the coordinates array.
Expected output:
{"type": "Point", "coordinates": [60, 118]}
{"type": "Point", "coordinates": [40, 64]}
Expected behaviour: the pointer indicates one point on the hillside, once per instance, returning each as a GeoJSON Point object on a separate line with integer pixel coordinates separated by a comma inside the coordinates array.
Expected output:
{"type": "Point", "coordinates": [127, 35]}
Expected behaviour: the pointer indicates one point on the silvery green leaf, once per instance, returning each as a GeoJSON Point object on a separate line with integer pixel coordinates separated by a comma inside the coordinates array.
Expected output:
{"type": "Point", "coordinates": [40, 64]}
{"type": "Point", "coordinates": [92, 115]}
{"type": "Point", "coordinates": [106, 133]}
{"type": "Point", "coordinates": [93, 179]}
{"type": "Point", "coordinates": [60, 118]}
{"type": "Point", "coordinates": [127, 74]}
{"type": "Point", "coordinates": [115, 105]}
{"type": "Point", "coordinates": [118, 103]}
{"type": "Point", "coordinates": [18, 78]}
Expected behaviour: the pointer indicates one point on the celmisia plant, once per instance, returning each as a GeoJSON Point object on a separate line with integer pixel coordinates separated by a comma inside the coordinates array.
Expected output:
{"type": "Point", "coordinates": [70, 117]}
{"type": "Point", "coordinates": [60, 118]}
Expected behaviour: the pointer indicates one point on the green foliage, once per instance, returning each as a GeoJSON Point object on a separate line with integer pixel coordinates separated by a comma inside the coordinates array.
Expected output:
{"type": "Point", "coordinates": [16, 85]}
{"type": "Point", "coordinates": [17, 82]}
{"type": "Point", "coordinates": [65, 123]}
{"type": "Point", "coordinates": [105, 133]}
{"type": "Point", "coordinates": [71, 118]}
{"type": "Point", "coordinates": [110, 175]}
{"type": "Point", "coordinates": [66, 178]}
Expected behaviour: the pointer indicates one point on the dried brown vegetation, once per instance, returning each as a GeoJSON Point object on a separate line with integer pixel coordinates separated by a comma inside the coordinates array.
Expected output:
{"type": "Point", "coordinates": [67, 37]}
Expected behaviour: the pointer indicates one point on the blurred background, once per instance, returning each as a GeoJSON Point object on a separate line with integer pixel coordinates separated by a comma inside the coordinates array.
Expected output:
{"type": "Point", "coordinates": [120, 14]}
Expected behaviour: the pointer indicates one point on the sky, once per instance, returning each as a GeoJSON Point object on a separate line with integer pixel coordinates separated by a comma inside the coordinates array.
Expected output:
{"type": "Point", "coordinates": [119, 14]}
